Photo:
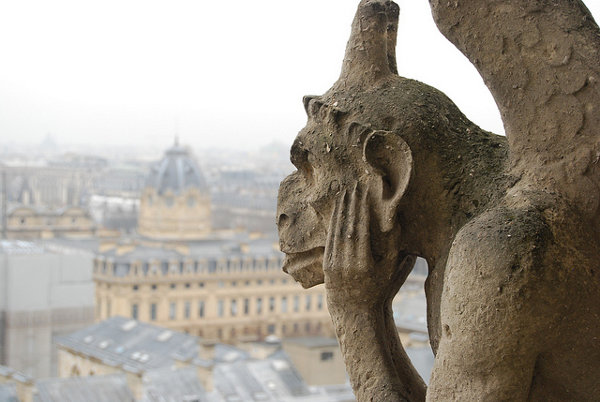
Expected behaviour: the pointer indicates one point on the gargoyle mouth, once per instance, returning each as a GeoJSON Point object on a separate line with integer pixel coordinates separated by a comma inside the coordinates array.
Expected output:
{"type": "Point", "coordinates": [305, 267]}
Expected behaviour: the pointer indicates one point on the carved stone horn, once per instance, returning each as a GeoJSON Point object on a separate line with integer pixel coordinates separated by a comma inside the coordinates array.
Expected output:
{"type": "Point", "coordinates": [371, 49]}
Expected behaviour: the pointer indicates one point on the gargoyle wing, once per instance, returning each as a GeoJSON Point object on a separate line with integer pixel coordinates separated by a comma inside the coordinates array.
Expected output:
{"type": "Point", "coordinates": [541, 61]}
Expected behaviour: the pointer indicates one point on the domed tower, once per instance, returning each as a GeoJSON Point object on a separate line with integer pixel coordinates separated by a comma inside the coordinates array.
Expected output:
{"type": "Point", "coordinates": [175, 202]}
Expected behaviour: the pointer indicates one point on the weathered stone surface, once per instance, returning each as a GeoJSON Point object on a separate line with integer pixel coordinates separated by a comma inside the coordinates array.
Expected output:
{"type": "Point", "coordinates": [390, 169]}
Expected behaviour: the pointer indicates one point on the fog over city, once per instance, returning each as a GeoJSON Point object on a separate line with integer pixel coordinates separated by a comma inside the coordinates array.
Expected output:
{"type": "Point", "coordinates": [221, 75]}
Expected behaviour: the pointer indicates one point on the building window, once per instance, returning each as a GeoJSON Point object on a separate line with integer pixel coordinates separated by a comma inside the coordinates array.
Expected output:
{"type": "Point", "coordinates": [246, 306]}
{"type": "Point", "coordinates": [320, 302]}
{"type": "Point", "coordinates": [135, 288]}
{"type": "Point", "coordinates": [153, 287]}
{"type": "Point", "coordinates": [173, 286]}
{"type": "Point", "coordinates": [134, 311]}
{"type": "Point", "coordinates": [284, 281]}
{"type": "Point", "coordinates": [153, 312]}
{"type": "Point", "coordinates": [108, 308]}
{"type": "Point", "coordinates": [201, 284]}
{"type": "Point", "coordinates": [212, 266]}
{"type": "Point", "coordinates": [259, 282]}
{"type": "Point", "coordinates": [247, 283]}
{"type": "Point", "coordinates": [272, 281]}
{"type": "Point", "coordinates": [233, 307]}
{"type": "Point", "coordinates": [220, 308]}
{"type": "Point", "coordinates": [186, 309]}
{"type": "Point", "coordinates": [296, 303]}
{"type": "Point", "coordinates": [201, 308]}
{"type": "Point", "coordinates": [271, 329]}
{"type": "Point", "coordinates": [326, 356]}
{"type": "Point", "coordinates": [259, 305]}
{"type": "Point", "coordinates": [233, 283]}
{"type": "Point", "coordinates": [220, 284]}
{"type": "Point", "coordinates": [187, 285]}
{"type": "Point", "coordinates": [271, 304]}
{"type": "Point", "coordinates": [284, 304]}
{"type": "Point", "coordinates": [172, 310]}
{"type": "Point", "coordinates": [308, 302]}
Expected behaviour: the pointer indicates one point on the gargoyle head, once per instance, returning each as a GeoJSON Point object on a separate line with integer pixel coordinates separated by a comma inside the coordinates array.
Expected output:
{"type": "Point", "coordinates": [365, 129]}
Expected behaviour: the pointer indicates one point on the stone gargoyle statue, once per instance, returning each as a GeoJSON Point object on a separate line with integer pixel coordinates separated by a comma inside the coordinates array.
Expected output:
{"type": "Point", "coordinates": [389, 169]}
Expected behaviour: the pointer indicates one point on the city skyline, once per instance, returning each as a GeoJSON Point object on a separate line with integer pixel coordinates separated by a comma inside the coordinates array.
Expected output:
{"type": "Point", "coordinates": [136, 73]}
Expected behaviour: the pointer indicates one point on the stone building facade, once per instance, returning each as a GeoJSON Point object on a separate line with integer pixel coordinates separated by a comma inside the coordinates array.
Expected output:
{"type": "Point", "coordinates": [46, 291]}
{"type": "Point", "coordinates": [217, 289]}
{"type": "Point", "coordinates": [26, 222]}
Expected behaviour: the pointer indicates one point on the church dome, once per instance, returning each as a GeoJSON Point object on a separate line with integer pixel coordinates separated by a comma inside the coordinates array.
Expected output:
{"type": "Point", "coordinates": [175, 203]}
{"type": "Point", "coordinates": [176, 172]}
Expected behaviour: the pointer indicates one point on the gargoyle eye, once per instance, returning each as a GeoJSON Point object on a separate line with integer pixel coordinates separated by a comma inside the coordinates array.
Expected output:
{"type": "Point", "coordinates": [312, 105]}
{"type": "Point", "coordinates": [299, 158]}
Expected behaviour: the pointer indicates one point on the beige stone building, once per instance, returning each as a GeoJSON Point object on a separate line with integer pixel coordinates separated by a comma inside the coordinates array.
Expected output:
{"type": "Point", "coordinates": [26, 222]}
{"type": "Point", "coordinates": [226, 289]}
{"type": "Point", "coordinates": [175, 203]}
{"type": "Point", "coordinates": [318, 359]}
{"type": "Point", "coordinates": [182, 275]}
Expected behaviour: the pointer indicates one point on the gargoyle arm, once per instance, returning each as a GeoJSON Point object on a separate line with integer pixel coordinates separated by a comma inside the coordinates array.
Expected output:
{"type": "Point", "coordinates": [359, 298]}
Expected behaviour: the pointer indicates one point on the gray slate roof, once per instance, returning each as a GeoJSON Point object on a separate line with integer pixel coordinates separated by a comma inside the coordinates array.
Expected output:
{"type": "Point", "coordinates": [8, 392]}
{"type": "Point", "coordinates": [274, 379]}
{"type": "Point", "coordinates": [108, 388]}
{"type": "Point", "coordinates": [313, 341]}
{"type": "Point", "coordinates": [173, 385]}
{"type": "Point", "coordinates": [209, 250]}
{"type": "Point", "coordinates": [237, 377]}
{"type": "Point", "coordinates": [176, 172]}
{"type": "Point", "coordinates": [134, 345]}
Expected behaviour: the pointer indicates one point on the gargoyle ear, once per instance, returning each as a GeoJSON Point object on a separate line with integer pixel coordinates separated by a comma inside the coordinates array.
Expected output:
{"type": "Point", "coordinates": [391, 162]}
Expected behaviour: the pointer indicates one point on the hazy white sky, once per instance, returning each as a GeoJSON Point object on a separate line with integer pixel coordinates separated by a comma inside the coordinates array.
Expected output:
{"type": "Point", "coordinates": [224, 74]}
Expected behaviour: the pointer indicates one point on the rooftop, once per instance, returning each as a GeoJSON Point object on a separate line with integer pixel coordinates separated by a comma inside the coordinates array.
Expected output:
{"type": "Point", "coordinates": [21, 247]}
{"type": "Point", "coordinates": [236, 376]}
{"type": "Point", "coordinates": [107, 388]}
{"type": "Point", "coordinates": [8, 392]}
{"type": "Point", "coordinates": [173, 384]}
{"type": "Point", "coordinates": [136, 346]}
{"type": "Point", "coordinates": [313, 342]}
{"type": "Point", "coordinates": [239, 246]}
{"type": "Point", "coordinates": [176, 172]}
